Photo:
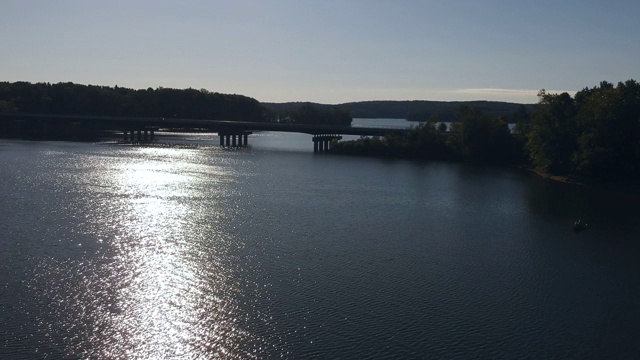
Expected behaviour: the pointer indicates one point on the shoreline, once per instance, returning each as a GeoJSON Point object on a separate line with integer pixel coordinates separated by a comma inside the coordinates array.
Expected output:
{"type": "Point", "coordinates": [559, 178]}
{"type": "Point", "coordinates": [613, 185]}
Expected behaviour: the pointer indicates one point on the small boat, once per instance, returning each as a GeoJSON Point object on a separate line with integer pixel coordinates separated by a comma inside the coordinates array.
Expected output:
{"type": "Point", "coordinates": [579, 225]}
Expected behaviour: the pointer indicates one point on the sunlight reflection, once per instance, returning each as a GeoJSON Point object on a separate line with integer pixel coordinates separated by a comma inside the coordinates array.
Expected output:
{"type": "Point", "coordinates": [174, 287]}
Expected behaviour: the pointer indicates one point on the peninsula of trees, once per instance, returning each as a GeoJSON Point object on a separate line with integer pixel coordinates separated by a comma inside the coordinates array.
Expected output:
{"type": "Point", "coordinates": [594, 135]}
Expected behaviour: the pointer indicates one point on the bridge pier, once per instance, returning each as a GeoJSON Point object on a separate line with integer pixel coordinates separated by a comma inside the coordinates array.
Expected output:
{"type": "Point", "coordinates": [138, 135]}
{"type": "Point", "coordinates": [234, 139]}
{"type": "Point", "coordinates": [322, 143]}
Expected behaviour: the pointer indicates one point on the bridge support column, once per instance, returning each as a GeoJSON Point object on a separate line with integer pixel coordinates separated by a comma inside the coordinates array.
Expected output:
{"type": "Point", "coordinates": [146, 135]}
{"type": "Point", "coordinates": [152, 134]}
{"type": "Point", "coordinates": [239, 139]}
{"type": "Point", "coordinates": [322, 143]}
{"type": "Point", "coordinates": [126, 135]}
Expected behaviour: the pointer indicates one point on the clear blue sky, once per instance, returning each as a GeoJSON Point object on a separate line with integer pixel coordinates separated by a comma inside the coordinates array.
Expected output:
{"type": "Point", "coordinates": [328, 51]}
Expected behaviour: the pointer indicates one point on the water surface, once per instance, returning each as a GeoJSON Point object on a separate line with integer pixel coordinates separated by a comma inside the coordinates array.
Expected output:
{"type": "Point", "coordinates": [181, 249]}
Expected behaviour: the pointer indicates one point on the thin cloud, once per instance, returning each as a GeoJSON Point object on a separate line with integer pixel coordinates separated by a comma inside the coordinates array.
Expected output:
{"type": "Point", "coordinates": [510, 95]}
{"type": "Point", "coordinates": [509, 92]}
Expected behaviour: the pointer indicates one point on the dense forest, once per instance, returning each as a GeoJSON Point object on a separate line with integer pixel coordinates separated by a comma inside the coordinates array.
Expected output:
{"type": "Point", "coordinates": [76, 99]}
{"type": "Point", "coordinates": [416, 110]}
{"type": "Point", "coordinates": [307, 113]}
{"type": "Point", "coordinates": [594, 135]}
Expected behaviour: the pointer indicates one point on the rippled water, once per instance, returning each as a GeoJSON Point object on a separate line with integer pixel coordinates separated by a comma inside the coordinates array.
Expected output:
{"type": "Point", "coordinates": [185, 250]}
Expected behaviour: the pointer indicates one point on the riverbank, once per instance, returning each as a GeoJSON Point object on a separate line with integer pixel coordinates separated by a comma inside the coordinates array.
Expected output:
{"type": "Point", "coordinates": [546, 175]}
{"type": "Point", "coordinates": [378, 148]}
{"type": "Point", "coordinates": [619, 185]}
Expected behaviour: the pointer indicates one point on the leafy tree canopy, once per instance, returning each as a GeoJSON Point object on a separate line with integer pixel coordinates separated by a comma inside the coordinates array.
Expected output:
{"type": "Point", "coordinates": [75, 99]}
{"type": "Point", "coordinates": [595, 134]}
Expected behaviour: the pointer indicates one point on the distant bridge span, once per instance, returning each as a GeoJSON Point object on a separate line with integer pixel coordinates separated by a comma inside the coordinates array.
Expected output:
{"type": "Point", "coordinates": [232, 133]}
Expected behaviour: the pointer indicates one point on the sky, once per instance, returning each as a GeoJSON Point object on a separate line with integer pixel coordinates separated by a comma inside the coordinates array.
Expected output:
{"type": "Point", "coordinates": [326, 51]}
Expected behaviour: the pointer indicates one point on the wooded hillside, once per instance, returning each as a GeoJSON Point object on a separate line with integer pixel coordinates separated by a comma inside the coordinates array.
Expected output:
{"type": "Point", "coordinates": [416, 110]}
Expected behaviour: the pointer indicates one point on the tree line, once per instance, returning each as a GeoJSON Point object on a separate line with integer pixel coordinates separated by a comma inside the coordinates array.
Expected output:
{"type": "Point", "coordinates": [475, 136]}
{"type": "Point", "coordinates": [307, 113]}
{"type": "Point", "coordinates": [594, 135]}
{"type": "Point", "coordinates": [76, 99]}
{"type": "Point", "coordinates": [413, 110]}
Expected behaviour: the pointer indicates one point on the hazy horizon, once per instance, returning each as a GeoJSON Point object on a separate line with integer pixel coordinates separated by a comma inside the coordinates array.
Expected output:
{"type": "Point", "coordinates": [325, 52]}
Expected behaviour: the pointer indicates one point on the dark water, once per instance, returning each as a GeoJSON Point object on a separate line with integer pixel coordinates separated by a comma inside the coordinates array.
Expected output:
{"type": "Point", "coordinates": [190, 251]}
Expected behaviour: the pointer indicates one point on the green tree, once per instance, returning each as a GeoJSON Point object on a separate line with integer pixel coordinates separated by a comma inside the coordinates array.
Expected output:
{"type": "Point", "coordinates": [482, 137]}
{"type": "Point", "coordinates": [552, 140]}
{"type": "Point", "coordinates": [608, 119]}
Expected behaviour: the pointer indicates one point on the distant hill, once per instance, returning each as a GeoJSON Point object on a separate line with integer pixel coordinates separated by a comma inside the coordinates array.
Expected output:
{"type": "Point", "coordinates": [414, 110]}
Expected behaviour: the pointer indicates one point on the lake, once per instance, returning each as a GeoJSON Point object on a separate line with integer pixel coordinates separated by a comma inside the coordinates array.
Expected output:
{"type": "Point", "coordinates": [182, 249]}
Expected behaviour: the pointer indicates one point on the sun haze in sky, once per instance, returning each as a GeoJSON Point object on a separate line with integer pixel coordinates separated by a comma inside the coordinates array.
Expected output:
{"type": "Point", "coordinates": [330, 51]}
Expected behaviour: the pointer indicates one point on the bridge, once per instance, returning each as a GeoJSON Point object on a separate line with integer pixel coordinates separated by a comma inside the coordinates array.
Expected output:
{"type": "Point", "coordinates": [231, 133]}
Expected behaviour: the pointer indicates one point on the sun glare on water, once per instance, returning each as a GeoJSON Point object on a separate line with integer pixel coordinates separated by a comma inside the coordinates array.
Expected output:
{"type": "Point", "coordinates": [166, 288]}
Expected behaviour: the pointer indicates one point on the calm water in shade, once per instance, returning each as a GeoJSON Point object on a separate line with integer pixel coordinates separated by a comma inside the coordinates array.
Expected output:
{"type": "Point", "coordinates": [184, 250]}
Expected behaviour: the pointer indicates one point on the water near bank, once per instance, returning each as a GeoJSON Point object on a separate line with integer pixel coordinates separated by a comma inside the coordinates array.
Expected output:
{"type": "Point", "coordinates": [186, 250]}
